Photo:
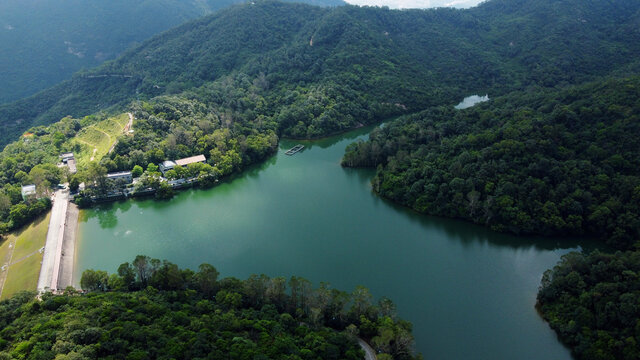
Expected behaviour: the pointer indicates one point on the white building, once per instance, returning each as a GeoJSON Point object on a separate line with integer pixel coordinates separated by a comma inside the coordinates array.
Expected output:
{"type": "Point", "coordinates": [28, 191]}
{"type": "Point", "coordinates": [125, 175]}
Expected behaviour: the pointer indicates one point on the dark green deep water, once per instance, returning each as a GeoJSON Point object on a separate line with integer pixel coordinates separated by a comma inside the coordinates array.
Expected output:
{"type": "Point", "coordinates": [469, 292]}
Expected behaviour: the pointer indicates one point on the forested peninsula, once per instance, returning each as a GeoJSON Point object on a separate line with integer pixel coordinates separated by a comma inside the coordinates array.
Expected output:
{"type": "Point", "coordinates": [152, 309]}
{"type": "Point", "coordinates": [553, 162]}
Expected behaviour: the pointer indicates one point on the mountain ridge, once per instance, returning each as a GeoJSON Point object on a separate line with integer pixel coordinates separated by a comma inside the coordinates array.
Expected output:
{"type": "Point", "coordinates": [412, 58]}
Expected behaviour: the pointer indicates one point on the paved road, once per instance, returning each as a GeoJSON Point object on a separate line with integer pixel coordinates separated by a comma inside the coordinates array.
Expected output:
{"type": "Point", "coordinates": [53, 247]}
{"type": "Point", "coordinates": [68, 248]}
{"type": "Point", "coordinates": [369, 353]}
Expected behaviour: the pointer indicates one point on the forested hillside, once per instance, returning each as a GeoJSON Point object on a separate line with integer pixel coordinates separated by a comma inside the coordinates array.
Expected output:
{"type": "Point", "coordinates": [45, 42]}
{"type": "Point", "coordinates": [539, 162]}
{"type": "Point", "coordinates": [591, 301]}
{"type": "Point", "coordinates": [152, 309]}
{"type": "Point", "coordinates": [386, 62]}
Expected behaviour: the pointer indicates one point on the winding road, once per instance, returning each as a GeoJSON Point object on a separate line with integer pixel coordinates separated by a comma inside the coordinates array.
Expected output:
{"type": "Point", "coordinates": [369, 353]}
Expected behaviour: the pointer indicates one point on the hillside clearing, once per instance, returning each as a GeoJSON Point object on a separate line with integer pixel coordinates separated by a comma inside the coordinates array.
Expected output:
{"type": "Point", "coordinates": [95, 141]}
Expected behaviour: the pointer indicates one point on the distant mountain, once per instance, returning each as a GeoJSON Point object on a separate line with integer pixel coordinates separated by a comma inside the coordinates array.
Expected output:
{"type": "Point", "coordinates": [371, 62]}
{"type": "Point", "coordinates": [44, 42]}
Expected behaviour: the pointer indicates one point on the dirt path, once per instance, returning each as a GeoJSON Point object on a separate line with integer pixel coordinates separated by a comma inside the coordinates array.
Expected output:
{"type": "Point", "coordinates": [26, 257]}
{"type": "Point", "coordinates": [95, 149]}
{"type": "Point", "coordinates": [95, 128]}
{"type": "Point", "coordinates": [124, 131]}
{"type": "Point", "coordinates": [4, 269]}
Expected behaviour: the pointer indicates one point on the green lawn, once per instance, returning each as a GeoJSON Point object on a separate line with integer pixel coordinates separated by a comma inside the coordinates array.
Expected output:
{"type": "Point", "coordinates": [25, 269]}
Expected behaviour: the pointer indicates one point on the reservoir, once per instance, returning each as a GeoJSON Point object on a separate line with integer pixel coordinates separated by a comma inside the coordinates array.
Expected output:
{"type": "Point", "coordinates": [469, 292]}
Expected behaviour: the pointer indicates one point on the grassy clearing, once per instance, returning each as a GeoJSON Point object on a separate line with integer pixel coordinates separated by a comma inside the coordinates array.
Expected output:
{"type": "Point", "coordinates": [22, 276]}
{"type": "Point", "coordinates": [4, 251]}
{"type": "Point", "coordinates": [99, 136]}
{"type": "Point", "coordinates": [32, 238]}
{"type": "Point", "coordinates": [24, 270]}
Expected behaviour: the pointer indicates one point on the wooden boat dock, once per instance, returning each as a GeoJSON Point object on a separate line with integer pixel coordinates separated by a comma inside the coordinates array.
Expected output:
{"type": "Point", "coordinates": [294, 149]}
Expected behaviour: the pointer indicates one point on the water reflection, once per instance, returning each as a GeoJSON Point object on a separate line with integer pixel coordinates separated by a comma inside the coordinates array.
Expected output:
{"type": "Point", "coordinates": [327, 142]}
{"type": "Point", "coordinates": [471, 100]}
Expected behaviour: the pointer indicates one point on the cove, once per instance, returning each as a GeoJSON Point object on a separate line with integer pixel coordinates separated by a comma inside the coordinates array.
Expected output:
{"type": "Point", "coordinates": [469, 292]}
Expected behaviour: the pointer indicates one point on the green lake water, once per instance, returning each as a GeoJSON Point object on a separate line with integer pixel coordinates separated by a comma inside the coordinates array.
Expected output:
{"type": "Point", "coordinates": [469, 292]}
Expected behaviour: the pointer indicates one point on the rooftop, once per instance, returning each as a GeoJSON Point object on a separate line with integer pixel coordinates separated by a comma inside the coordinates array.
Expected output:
{"type": "Point", "coordinates": [191, 160]}
{"type": "Point", "coordinates": [119, 174]}
{"type": "Point", "coordinates": [29, 188]}
{"type": "Point", "coordinates": [72, 166]}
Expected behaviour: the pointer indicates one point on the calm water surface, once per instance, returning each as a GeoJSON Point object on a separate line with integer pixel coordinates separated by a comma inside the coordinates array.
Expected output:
{"type": "Point", "coordinates": [469, 292]}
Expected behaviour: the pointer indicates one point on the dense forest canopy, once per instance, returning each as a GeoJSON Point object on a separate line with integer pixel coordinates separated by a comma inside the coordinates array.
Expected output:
{"type": "Point", "coordinates": [591, 301]}
{"type": "Point", "coordinates": [539, 162]}
{"type": "Point", "coordinates": [45, 42]}
{"type": "Point", "coordinates": [389, 62]}
{"type": "Point", "coordinates": [152, 309]}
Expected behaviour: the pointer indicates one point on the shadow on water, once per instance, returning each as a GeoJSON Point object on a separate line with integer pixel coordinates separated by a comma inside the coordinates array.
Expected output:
{"type": "Point", "coordinates": [364, 175]}
{"type": "Point", "coordinates": [468, 233]}
{"type": "Point", "coordinates": [327, 142]}
{"type": "Point", "coordinates": [105, 213]}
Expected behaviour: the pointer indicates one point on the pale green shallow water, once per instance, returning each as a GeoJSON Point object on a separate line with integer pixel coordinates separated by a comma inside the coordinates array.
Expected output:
{"type": "Point", "coordinates": [469, 292]}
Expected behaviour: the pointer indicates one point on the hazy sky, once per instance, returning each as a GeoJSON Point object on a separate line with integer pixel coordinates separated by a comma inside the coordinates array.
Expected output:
{"type": "Point", "coordinates": [404, 4]}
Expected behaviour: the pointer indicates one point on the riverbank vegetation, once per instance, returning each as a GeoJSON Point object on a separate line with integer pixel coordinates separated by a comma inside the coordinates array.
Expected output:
{"type": "Point", "coordinates": [553, 162]}
{"type": "Point", "coordinates": [154, 309]}
{"type": "Point", "coordinates": [544, 162]}
{"type": "Point", "coordinates": [592, 302]}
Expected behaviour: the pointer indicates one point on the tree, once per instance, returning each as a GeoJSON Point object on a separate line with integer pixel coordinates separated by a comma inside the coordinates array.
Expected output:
{"type": "Point", "coordinates": [19, 214]}
{"type": "Point", "coordinates": [152, 168]}
{"type": "Point", "coordinates": [164, 191]}
{"type": "Point", "coordinates": [137, 171]}
{"type": "Point", "coordinates": [96, 175]}
{"type": "Point", "coordinates": [144, 270]}
{"type": "Point", "coordinates": [93, 280]}
{"type": "Point", "coordinates": [207, 279]}
{"type": "Point", "coordinates": [74, 183]}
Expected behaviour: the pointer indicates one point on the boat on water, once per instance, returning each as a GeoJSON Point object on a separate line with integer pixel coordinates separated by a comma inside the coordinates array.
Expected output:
{"type": "Point", "coordinates": [294, 149]}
